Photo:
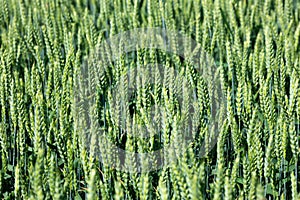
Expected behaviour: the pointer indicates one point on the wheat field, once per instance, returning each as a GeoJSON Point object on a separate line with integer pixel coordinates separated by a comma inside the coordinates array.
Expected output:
{"type": "Point", "coordinates": [57, 98]}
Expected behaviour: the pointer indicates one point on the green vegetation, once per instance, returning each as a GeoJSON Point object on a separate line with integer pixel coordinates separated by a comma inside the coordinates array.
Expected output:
{"type": "Point", "coordinates": [256, 50]}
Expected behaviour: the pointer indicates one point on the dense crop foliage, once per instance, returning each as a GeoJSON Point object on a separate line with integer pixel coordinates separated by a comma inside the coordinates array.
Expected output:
{"type": "Point", "coordinates": [256, 50]}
